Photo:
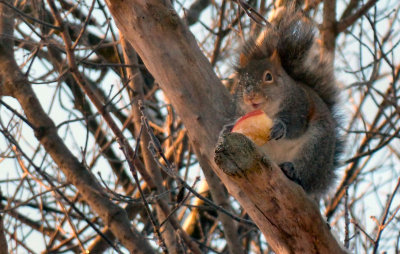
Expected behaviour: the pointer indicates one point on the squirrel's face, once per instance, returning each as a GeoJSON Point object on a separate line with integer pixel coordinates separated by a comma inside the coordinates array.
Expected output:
{"type": "Point", "coordinates": [263, 83]}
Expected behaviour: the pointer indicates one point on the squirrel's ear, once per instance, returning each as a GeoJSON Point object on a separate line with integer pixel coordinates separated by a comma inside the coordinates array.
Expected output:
{"type": "Point", "coordinates": [275, 59]}
{"type": "Point", "coordinates": [266, 42]}
{"type": "Point", "coordinates": [243, 60]}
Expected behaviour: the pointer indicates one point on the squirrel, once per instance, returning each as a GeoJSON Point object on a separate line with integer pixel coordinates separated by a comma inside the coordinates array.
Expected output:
{"type": "Point", "coordinates": [283, 73]}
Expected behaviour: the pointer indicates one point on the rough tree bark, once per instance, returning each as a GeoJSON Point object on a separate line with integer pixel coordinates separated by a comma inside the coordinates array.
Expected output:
{"type": "Point", "coordinates": [171, 54]}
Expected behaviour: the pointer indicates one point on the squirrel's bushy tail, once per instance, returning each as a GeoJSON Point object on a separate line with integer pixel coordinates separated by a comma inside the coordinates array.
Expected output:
{"type": "Point", "coordinates": [302, 58]}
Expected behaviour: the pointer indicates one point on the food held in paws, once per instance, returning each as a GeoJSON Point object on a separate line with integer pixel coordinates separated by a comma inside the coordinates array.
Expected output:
{"type": "Point", "coordinates": [255, 125]}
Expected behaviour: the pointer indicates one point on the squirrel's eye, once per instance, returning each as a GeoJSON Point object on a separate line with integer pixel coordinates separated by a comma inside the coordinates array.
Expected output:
{"type": "Point", "coordinates": [267, 77]}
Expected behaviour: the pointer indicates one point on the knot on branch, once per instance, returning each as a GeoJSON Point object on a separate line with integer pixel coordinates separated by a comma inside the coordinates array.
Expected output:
{"type": "Point", "coordinates": [236, 155]}
{"type": "Point", "coordinates": [43, 131]}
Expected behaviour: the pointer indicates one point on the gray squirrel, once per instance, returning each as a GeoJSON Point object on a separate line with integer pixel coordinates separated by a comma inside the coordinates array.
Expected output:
{"type": "Point", "coordinates": [283, 73]}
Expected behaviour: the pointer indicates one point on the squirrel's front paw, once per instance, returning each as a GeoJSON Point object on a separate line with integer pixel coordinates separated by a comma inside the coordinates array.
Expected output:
{"type": "Point", "coordinates": [226, 129]}
{"type": "Point", "coordinates": [278, 130]}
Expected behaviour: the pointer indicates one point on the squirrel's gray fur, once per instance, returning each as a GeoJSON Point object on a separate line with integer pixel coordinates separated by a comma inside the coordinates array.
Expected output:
{"type": "Point", "coordinates": [283, 72]}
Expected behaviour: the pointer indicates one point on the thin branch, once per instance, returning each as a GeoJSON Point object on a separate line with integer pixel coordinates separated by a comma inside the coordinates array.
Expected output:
{"type": "Point", "coordinates": [29, 17]}
{"type": "Point", "coordinates": [345, 23]}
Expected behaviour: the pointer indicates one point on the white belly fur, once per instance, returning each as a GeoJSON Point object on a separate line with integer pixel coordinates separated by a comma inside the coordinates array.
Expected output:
{"type": "Point", "coordinates": [284, 150]}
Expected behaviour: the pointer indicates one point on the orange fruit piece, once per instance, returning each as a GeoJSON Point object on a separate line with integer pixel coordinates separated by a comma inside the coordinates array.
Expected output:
{"type": "Point", "coordinates": [255, 125]}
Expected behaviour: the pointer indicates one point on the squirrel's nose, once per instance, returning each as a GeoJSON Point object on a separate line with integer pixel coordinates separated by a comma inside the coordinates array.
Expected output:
{"type": "Point", "coordinates": [249, 95]}
{"type": "Point", "coordinates": [249, 89]}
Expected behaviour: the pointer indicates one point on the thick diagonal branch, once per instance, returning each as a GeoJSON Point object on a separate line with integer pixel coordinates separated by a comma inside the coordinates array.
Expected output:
{"type": "Point", "coordinates": [171, 54]}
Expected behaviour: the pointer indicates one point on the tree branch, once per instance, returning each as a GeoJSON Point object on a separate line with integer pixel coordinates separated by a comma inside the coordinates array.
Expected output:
{"type": "Point", "coordinates": [136, 83]}
{"type": "Point", "coordinates": [46, 133]}
{"type": "Point", "coordinates": [328, 31]}
{"type": "Point", "coordinates": [343, 24]}
{"type": "Point", "coordinates": [171, 54]}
